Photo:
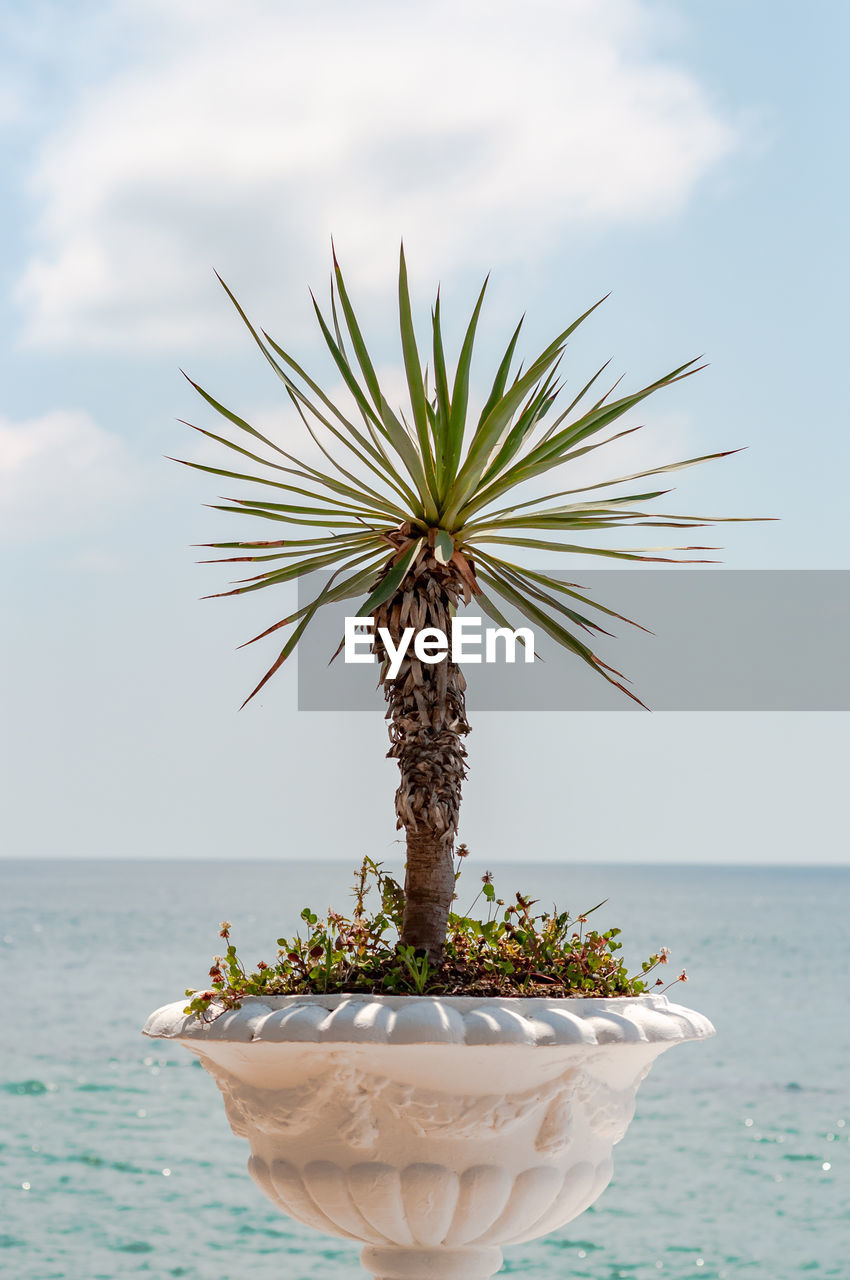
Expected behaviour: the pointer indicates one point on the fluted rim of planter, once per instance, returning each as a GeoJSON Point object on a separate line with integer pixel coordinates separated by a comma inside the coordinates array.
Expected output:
{"type": "Point", "coordinates": [405, 1020]}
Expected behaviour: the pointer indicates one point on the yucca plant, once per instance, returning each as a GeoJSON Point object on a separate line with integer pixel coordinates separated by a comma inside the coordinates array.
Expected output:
{"type": "Point", "coordinates": [417, 511]}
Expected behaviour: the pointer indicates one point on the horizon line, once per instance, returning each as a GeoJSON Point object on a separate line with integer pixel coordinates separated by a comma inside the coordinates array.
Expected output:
{"type": "Point", "coordinates": [330, 862]}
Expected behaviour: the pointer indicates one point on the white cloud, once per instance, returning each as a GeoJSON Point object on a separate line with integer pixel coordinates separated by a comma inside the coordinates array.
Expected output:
{"type": "Point", "coordinates": [58, 474]}
{"type": "Point", "coordinates": [242, 136]}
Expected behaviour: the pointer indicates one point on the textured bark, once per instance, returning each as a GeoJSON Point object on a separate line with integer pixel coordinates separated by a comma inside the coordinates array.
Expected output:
{"type": "Point", "coordinates": [429, 884]}
{"type": "Point", "coordinates": [427, 724]}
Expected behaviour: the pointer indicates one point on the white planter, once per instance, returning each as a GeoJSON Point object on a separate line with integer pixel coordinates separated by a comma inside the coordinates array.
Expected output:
{"type": "Point", "coordinates": [433, 1130]}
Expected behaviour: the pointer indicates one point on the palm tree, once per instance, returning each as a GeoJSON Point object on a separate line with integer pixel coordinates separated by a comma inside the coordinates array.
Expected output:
{"type": "Point", "coordinates": [419, 515]}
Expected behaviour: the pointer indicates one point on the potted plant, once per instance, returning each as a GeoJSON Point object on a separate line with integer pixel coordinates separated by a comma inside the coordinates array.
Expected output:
{"type": "Point", "coordinates": [429, 1083]}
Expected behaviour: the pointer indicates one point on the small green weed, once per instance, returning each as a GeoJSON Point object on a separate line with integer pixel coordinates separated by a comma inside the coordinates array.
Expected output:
{"type": "Point", "coordinates": [512, 952]}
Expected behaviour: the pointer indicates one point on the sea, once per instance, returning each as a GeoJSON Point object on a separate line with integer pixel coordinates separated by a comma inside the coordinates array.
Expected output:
{"type": "Point", "coordinates": [116, 1158]}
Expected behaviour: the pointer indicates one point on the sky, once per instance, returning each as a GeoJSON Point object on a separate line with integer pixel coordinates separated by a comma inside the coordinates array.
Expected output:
{"type": "Point", "coordinates": [685, 158]}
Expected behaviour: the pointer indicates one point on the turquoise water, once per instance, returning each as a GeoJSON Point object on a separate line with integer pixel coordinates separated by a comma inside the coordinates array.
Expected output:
{"type": "Point", "coordinates": [116, 1158]}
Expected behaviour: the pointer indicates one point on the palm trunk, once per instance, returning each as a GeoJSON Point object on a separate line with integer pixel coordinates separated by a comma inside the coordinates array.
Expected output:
{"type": "Point", "coordinates": [427, 714]}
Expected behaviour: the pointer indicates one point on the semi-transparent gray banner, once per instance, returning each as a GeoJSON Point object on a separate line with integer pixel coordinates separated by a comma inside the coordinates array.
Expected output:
{"type": "Point", "coordinates": [722, 640]}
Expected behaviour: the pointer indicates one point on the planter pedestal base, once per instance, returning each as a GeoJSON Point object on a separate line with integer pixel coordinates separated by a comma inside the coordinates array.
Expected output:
{"type": "Point", "coordinates": [431, 1264]}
